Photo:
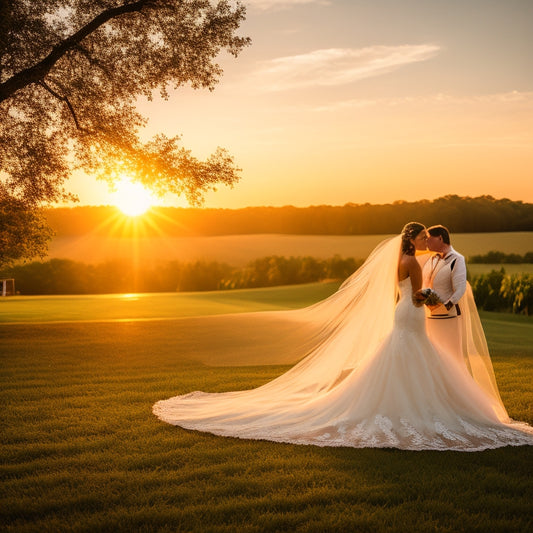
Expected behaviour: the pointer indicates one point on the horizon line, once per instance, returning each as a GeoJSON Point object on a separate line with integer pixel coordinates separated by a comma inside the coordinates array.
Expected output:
{"type": "Point", "coordinates": [281, 206]}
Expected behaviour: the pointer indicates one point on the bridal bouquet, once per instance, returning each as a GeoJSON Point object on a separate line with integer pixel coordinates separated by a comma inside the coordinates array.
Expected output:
{"type": "Point", "coordinates": [427, 297]}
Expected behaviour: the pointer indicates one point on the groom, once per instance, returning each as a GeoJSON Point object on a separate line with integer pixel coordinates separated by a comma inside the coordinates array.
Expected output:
{"type": "Point", "coordinates": [445, 273]}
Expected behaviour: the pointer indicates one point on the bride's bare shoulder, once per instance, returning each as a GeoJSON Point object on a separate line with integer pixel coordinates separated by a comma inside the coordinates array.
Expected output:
{"type": "Point", "coordinates": [407, 266]}
{"type": "Point", "coordinates": [408, 260]}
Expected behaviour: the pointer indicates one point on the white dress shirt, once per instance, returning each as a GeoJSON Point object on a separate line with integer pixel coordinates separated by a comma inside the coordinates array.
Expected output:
{"type": "Point", "coordinates": [446, 276]}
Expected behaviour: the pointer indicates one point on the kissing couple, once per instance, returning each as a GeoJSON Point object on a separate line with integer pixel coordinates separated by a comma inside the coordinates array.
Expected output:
{"type": "Point", "coordinates": [396, 358]}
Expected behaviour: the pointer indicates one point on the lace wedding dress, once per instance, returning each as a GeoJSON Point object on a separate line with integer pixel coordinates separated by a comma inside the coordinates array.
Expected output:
{"type": "Point", "coordinates": [369, 380]}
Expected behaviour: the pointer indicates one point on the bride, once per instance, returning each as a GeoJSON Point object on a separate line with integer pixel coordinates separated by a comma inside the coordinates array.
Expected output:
{"type": "Point", "coordinates": [369, 376]}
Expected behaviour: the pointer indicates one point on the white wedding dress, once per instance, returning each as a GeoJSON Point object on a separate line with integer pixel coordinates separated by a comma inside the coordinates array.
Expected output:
{"type": "Point", "coordinates": [391, 388]}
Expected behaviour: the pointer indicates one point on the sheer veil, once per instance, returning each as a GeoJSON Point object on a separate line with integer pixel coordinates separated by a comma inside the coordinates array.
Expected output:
{"type": "Point", "coordinates": [330, 340]}
{"type": "Point", "coordinates": [347, 327]}
{"type": "Point", "coordinates": [476, 353]}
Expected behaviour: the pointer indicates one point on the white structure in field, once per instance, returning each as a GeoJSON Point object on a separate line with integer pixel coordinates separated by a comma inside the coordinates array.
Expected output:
{"type": "Point", "coordinates": [7, 287]}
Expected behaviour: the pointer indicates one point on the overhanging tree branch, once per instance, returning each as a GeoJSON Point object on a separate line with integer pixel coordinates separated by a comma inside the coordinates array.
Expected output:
{"type": "Point", "coordinates": [64, 99]}
{"type": "Point", "coordinates": [38, 71]}
{"type": "Point", "coordinates": [75, 108]}
{"type": "Point", "coordinates": [93, 61]}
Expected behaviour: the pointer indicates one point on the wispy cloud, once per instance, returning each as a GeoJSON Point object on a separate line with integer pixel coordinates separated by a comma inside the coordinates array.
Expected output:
{"type": "Point", "coordinates": [515, 98]}
{"type": "Point", "coordinates": [338, 66]}
{"type": "Point", "coordinates": [282, 4]}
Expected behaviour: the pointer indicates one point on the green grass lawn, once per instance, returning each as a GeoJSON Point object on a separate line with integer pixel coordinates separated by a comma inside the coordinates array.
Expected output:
{"type": "Point", "coordinates": [81, 450]}
{"type": "Point", "coordinates": [103, 307]}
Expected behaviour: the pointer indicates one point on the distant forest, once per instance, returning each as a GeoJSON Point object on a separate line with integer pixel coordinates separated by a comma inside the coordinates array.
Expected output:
{"type": "Point", "coordinates": [460, 214]}
{"type": "Point", "coordinates": [493, 291]}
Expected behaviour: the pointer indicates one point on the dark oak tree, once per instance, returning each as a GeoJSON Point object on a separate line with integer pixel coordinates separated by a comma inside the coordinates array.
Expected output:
{"type": "Point", "coordinates": [70, 74]}
{"type": "Point", "coordinates": [24, 232]}
{"type": "Point", "coordinates": [71, 71]}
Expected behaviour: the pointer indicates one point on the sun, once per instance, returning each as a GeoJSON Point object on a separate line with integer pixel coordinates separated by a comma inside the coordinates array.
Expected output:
{"type": "Point", "coordinates": [132, 198]}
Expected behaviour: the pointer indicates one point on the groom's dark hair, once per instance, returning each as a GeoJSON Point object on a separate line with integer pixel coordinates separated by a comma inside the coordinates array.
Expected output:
{"type": "Point", "coordinates": [436, 231]}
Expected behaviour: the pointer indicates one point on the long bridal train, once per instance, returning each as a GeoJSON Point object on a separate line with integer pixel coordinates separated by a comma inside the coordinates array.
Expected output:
{"type": "Point", "coordinates": [369, 377]}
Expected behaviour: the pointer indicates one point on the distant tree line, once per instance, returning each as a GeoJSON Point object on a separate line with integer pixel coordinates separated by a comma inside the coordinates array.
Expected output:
{"type": "Point", "coordinates": [276, 270]}
{"type": "Point", "coordinates": [460, 214]}
{"type": "Point", "coordinates": [494, 291]}
{"type": "Point", "coordinates": [496, 258]}
{"type": "Point", "coordinates": [64, 276]}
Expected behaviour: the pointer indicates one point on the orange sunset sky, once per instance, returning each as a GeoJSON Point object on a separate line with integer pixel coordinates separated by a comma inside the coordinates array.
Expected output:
{"type": "Point", "coordinates": [364, 101]}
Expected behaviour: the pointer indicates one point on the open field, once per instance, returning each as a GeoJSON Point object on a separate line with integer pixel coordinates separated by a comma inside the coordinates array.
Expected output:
{"type": "Point", "coordinates": [81, 450]}
{"type": "Point", "coordinates": [167, 306]}
{"type": "Point", "coordinates": [124, 307]}
{"type": "Point", "coordinates": [237, 250]}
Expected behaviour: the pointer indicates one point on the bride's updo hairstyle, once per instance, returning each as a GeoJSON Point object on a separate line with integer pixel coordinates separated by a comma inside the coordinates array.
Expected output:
{"type": "Point", "coordinates": [410, 231]}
